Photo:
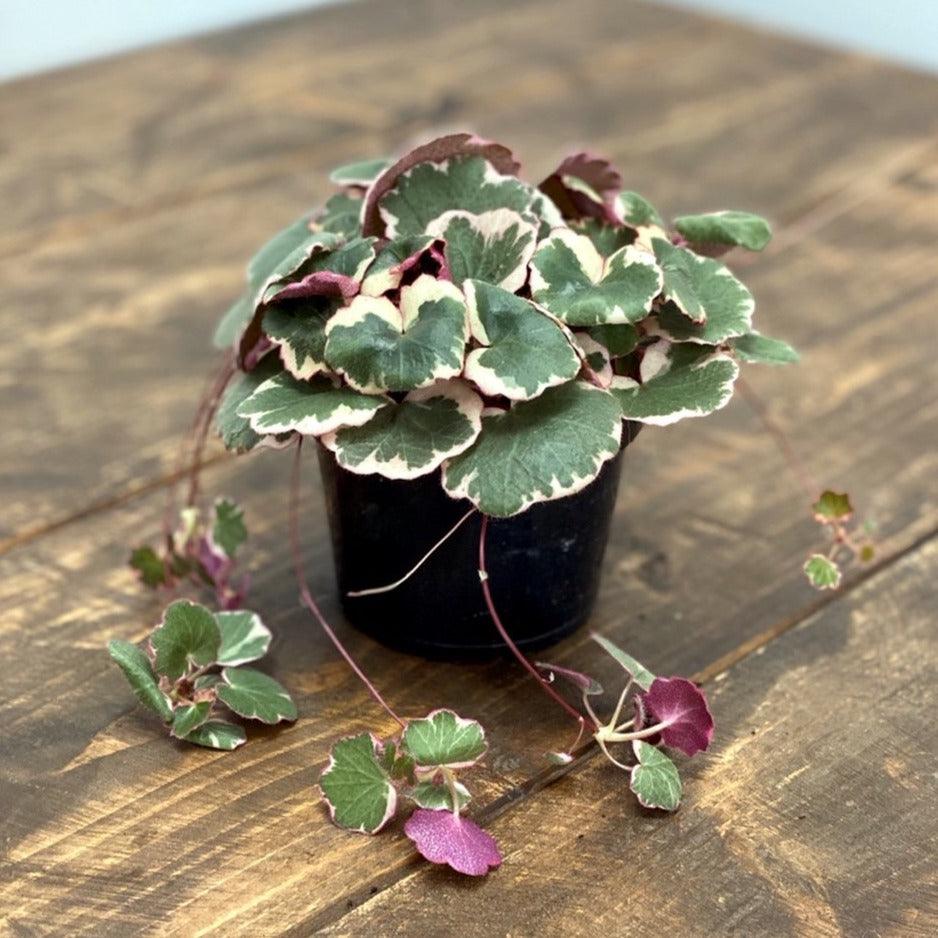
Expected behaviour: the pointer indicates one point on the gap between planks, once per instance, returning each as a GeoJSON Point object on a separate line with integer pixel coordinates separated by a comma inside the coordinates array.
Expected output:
{"type": "Point", "coordinates": [824, 212]}
{"type": "Point", "coordinates": [400, 872]}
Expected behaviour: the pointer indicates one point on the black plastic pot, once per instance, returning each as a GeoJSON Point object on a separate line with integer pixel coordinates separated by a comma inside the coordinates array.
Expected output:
{"type": "Point", "coordinates": [544, 564]}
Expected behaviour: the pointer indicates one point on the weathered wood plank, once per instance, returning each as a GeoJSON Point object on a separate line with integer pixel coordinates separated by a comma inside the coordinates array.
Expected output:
{"type": "Point", "coordinates": [813, 815]}
{"type": "Point", "coordinates": [121, 310]}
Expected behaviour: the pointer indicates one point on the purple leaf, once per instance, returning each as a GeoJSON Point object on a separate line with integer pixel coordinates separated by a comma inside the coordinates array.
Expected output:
{"type": "Point", "coordinates": [319, 283]}
{"type": "Point", "coordinates": [442, 837]}
{"type": "Point", "coordinates": [585, 186]}
{"type": "Point", "coordinates": [681, 705]}
{"type": "Point", "coordinates": [586, 683]}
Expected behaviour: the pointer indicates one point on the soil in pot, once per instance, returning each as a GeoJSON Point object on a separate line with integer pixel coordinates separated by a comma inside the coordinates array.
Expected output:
{"type": "Point", "coordinates": [544, 564]}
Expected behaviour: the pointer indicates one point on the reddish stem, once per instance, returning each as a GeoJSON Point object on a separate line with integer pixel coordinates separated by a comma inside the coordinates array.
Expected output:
{"type": "Point", "coordinates": [305, 594]}
{"type": "Point", "coordinates": [506, 638]}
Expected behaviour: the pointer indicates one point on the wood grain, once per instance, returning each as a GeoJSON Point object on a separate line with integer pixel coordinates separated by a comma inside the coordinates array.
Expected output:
{"type": "Point", "coordinates": [813, 814]}
{"type": "Point", "coordinates": [105, 827]}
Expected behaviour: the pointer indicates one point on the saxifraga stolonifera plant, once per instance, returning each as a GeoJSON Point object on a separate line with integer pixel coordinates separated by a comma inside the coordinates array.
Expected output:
{"type": "Point", "coordinates": [439, 313]}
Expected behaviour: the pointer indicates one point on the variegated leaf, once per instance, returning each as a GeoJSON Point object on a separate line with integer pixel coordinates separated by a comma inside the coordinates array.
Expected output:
{"type": "Point", "coordinates": [356, 787]}
{"type": "Point", "coordinates": [538, 450]}
{"type": "Point", "coordinates": [229, 531]}
{"type": "Point", "coordinates": [634, 209]}
{"type": "Point", "coordinates": [822, 572]}
{"type": "Point", "coordinates": [412, 438]}
{"type": "Point", "coordinates": [444, 739]}
{"type": "Point", "coordinates": [493, 246]}
{"type": "Point", "coordinates": [235, 431]}
{"type": "Point", "coordinates": [741, 229]}
{"type": "Point", "coordinates": [336, 273]}
{"type": "Point", "coordinates": [585, 186]}
{"type": "Point", "coordinates": [341, 215]}
{"type": "Point", "coordinates": [188, 636]}
{"type": "Point", "coordinates": [428, 190]}
{"type": "Point", "coordinates": [655, 780]}
{"type": "Point", "coordinates": [678, 381]}
{"type": "Point", "coordinates": [379, 347]}
{"type": "Point", "coordinates": [188, 717]}
{"type": "Point", "coordinates": [707, 304]}
{"type": "Point", "coordinates": [359, 174]}
{"type": "Point", "coordinates": [244, 637]}
{"type": "Point", "coordinates": [257, 696]}
{"type": "Point", "coordinates": [437, 797]}
{"type": "Point", "coordinates": [606, 238]}
{"type": "Point", "coordinates": [392, 262]}
{"type": "Point", "coordinates": [139, 673]}
{"type": "Point", "coordinates": [619, 340]}
{"type": "Point", "coordinates": [596, 359]}
{"type": "Point", "coordinates": [763, 350]}
{"type": "Point", "coordinates": [298, 329]}
{"type": "Point", "coordinates": [524, 351]}
{"type": "Point", "coordinates": [217, 734]}
{"type": "Point", "coordinates": [572, 280]}
{"type": "Point", "coordinates": [282, 405]}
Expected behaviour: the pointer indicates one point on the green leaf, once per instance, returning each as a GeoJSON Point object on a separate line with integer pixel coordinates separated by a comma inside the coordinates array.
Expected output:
{"type": "Point", "coordinates": [494, 246]}
{"type": "Point", "coordinates": [361, 173]}
{"type": "Point", "coordinates": [149, 565]}
{"type": "Point", "coordinates": [282, 404]}
{"type": "Point", "coordinates": [139, 673]}
{"type": "Point", "coordinates": [428, 190]}
{"type": "Point", "coordinates": [822, 572]}
{"type": "Point", "coordinates": [188, 636]}
{"type": "Point", "coordinates": [678, 381]}
{"type": "Point", "coordinates": [703, 291]}
{"type": "Point", "coordinates": [233, 323]}
{"type": "Point", "coordinates": [298, 329]}
{"type": "Point", "coordinates": [412, 438]}
{"type": "Point", "coordinates": [188, 717]}
{"type": "Point", "coordinates": [379, 347]}
{"type": "Point", "coordinates": [341, 215]}
{"type": "Point", "coordinates": [619, 340]}
{"type": "Point", "coordinates": [389, 265]}
{"type": "Point", "coordinates": [244, 637]}
{"type": "Point", "coordinates": [356, 788]}
{"type": "Point", "coordinates": [655, 779]}
{"type": "Point", "coordinates": [524, 351]}
{"type": "Point", "coordinates": [760, 349]}
{"type": "Point", "coordinates": [572, 280]}
{"type": "Point", "coordinates": [437, 797]}
{"type": "Point", "coordinates": [235, 431]}
{"type": "Point", "coordinates": [741, 229]}
{"type": "Point", "coordinates": [228, 529]}
{"type": "Point", "coordinates": [542, 449]}
{"type": "Point", "coordinates": [217, 734]}
{"type": "Point", "coordinates": [442, 738]}
{"type": "Point", "coordinates": [636, 210]}
{"type": "Point", "coordinates": [255, 695]}
{"type": "Point", "coordinates": [636, 670]}
{"type": "Point", "coordinates": [606, 238]}
{"type": "Point", "coordinates": [832, 506]}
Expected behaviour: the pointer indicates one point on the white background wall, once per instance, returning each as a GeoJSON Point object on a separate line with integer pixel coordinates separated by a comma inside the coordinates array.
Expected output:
{"type": "Point", "coordinates": [41, 34]}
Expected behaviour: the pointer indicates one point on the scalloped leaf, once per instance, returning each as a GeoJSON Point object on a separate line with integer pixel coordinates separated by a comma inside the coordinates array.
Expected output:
{"type": "Point", "coordinates": [822, 572]}
{"type": "Point", "coordinates": [150, 567]}
{"type": "Point", "coordinates": [188, 636]}
{"type": "Point", "coordinates": [762, 350]}
{"type": "Point", "coordinates": [607, 238]}
{"type": "Point", "coordinates": [739, 229]}
{"type": "Point", "coordinates": [436, 796]}
{"type": "Point", "coordinates": [254, 695]}
{"type": "Point", "coordinates": [361, 173]}
{"type": "Point", "coordinates": [412, 438]}
{"type": "Point", "coordinates": [493, 246]}
{"type": "Point", "coordinates": [655, 779]}
{"type": "Point", "coordinates": [337, 273]}
{"type": "Point", "coordinates": [443, 739]}
{"type": "Point", "coordinates": [678, 381]}
{"type": "Point", "coordinates": [443, 837]}
{"type": "Point", "coordinates": [635, 209]}
{"type": "Point", "coordinates": [379, 347]}
{"type": "Point", "coordinates": [524, 351]}
{"type": "Point", "coordinates": [682, 707]}
{"type": "Point", "coordinates": [136, 666]}
{"type": "Point", "coordinates": [570, 278]}
{"type": "Point", "coordinates": [356, 787]}
{"type": "Point", "coordinates": [298, 329]}
{"type": "Point", "coordinates": [234, 430]}
{"type": "Point", "coordinates": [188, 717]}
{"type": "Point", "coordinates": [585, 186]}
{"type": "Point", "coordinates": [244, 637]}
{"type": "Point", "coordinates": [635, 669]}
{"type": "Point", "coordinates": [596, 359]}
{"type": "Point", "coordinates": [832, 506]}
{"type": "Point", "coordinates": [282, 404]}
{"type": "Point", "coordinates": [341, 215]}
{"type": "Point", "coordinates": [393, 261]}
{"type": "Point", "coordinates": [218, 734]}
{"type": "Point", "coordinates": [707, 304]}
{"type": "Point", "coordinates": [428, 190]}
{"type": "Point", "coordinates": [539, 450]}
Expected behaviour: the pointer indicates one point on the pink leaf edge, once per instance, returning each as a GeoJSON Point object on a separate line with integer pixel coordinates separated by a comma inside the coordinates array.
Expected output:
{"type": "Point", "coordinates": [442, 837]}
{"type": "Point", "coordinates": [680, 704]}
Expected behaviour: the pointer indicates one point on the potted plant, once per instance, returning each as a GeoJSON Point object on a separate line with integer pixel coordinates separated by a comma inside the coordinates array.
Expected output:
{"type": "Point", "coordinates": [471, 355]}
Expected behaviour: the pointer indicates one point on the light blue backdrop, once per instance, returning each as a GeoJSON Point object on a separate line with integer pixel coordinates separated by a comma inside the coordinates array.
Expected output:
{"type": "Point", "coordinates": [42, 34]}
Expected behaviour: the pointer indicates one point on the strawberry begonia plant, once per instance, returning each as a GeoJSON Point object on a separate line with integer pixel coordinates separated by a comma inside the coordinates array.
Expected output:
{"type": "Point", "coordinates": [440, 314]}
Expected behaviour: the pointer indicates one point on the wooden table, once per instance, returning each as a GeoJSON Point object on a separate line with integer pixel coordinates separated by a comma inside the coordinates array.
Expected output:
{"type": "Point", "coordinates": [134, 189]}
